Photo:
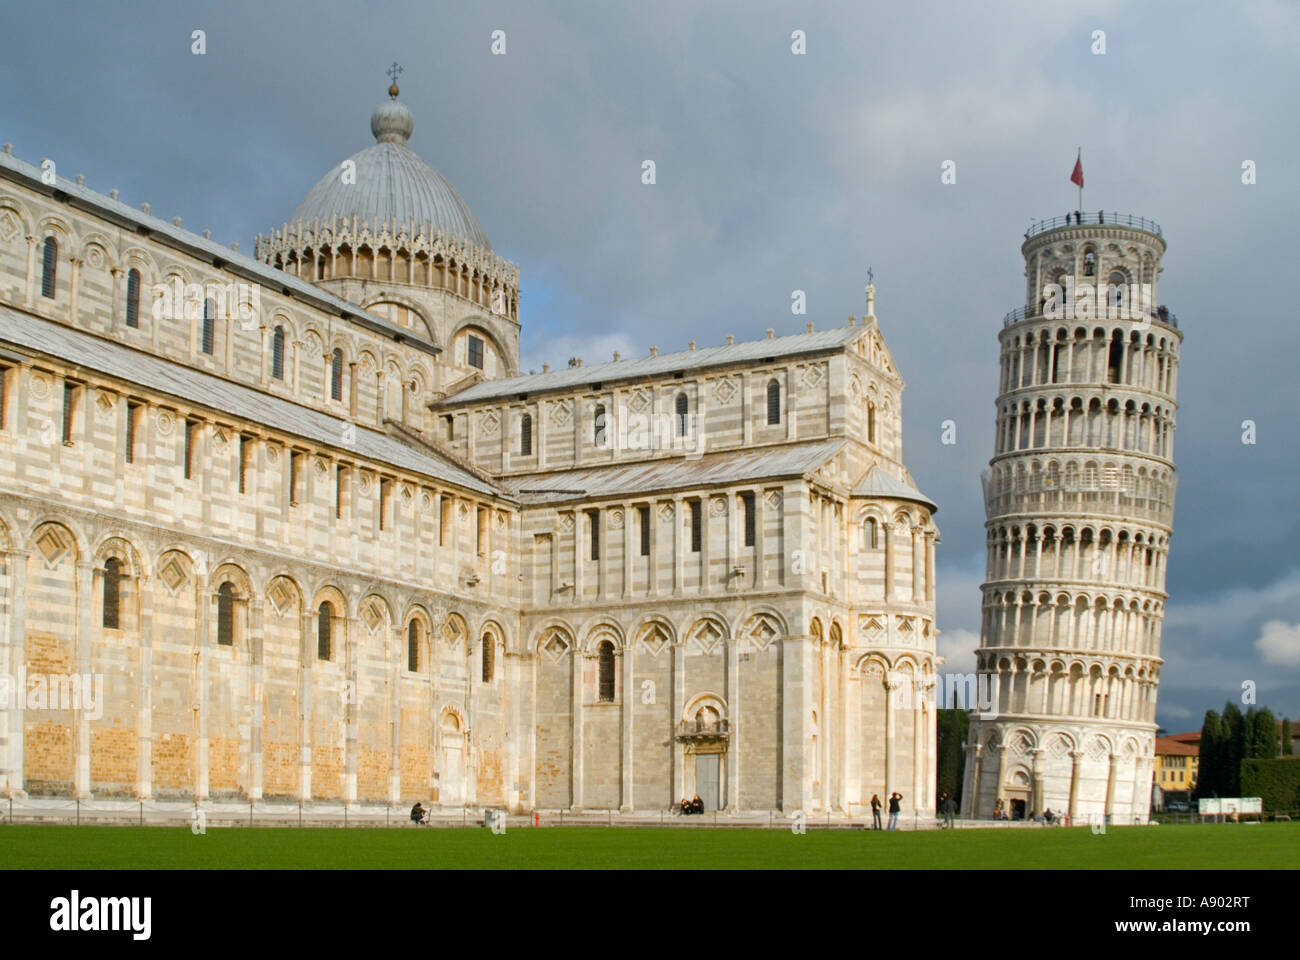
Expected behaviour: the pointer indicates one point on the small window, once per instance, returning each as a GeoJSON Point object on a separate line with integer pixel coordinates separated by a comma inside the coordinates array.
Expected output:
{"type": "Point", "coordinates": [869, 534]}
{"type": "Point", "coordinates": [474, 351]}
{"type": "Point", "coordinates": [526, 435]}
{"type": "Point", "coordinates": [773, 402]}
{"type": "Point", "coordinates": [49, 264]}
{"type": "Point", "coordinates": [747, 501]}
{"type": "Point", "coordinates": [605, 656]}
{"type": "Point", "coordinates": [871, 423]}
{"type": "Point", "coordinates": [112, 592]}
{"type": "Point", "coordinates": [277, 353]}
{"type": "Point", "coordinates": [413, 646]}
{"type": "Point", "coordinates": [644, 516]}
{"type": "Point", "coordinates": [209, 325]}
{"type": "Point", "coordinates": [132, 416]}
{"type": "Point", "coordinates": [593, 520]}
{"type": "Point", "coordinates": [336, 374]}
{"type": "Point", "coordinates": [69, 409]}
{"type": "Point", "coordinates": [489, 657]}
{"type": "Point", "coordinates": [226, 614]}
{"type": "Point", "coordinates": [598, 426]}
{"type": "Point", "coordinates": [682, 406]}
{"type": "Point", "coordinates": [697, 531]}
{"type": "Point", "coordinates": [244, 444]}
{"type": "Point", "coordinates": [133, 297]}
{"type": "Point", "coordinates": [324, 614]}
{"type": "Point", "coordinates": [450, 421]}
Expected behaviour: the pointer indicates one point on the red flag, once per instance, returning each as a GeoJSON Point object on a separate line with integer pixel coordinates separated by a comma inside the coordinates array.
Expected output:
{"type": "Point", "coordinates": [1077, 176]}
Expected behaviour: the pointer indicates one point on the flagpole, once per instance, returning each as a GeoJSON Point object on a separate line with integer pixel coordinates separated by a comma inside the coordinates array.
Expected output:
{"type": "Point", "coordinates": [1079, 159]}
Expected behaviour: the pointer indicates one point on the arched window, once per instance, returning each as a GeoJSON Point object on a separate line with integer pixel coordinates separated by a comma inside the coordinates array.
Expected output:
{"type": "Point", "coordinates": [773, 402]}
{"type": "Point", "coordinates": [413, 646]}
{"type": "Point", "coordinates": [49, 264]}
{"type": "Point", "coordinates": [226, 614]}
{"type": "Point", "coordinates": [277, 353]}
{"type": "Point", "coordinates": [112, 592]}
{"type": "Point", "coordinates": [605, 657]}
{"type": "Point", "coordinates": [324, 615]}
{"type": "Point", "coordinates": [598, 426]}
{"type": "Point", "coordinates": [870, 530]}
{"type": "Point", "coordinates": [336, 374]}
{"type": "Point", "coordinates": [526, 435]}
{"type": "Point", "coordinates": [683, 408]}
{"type": "Point", "coordinates": [133, 297]}
{"type": "Point", "coordinates": [489, 657]}
{"type": "Point", "coordinates": [209, 325]}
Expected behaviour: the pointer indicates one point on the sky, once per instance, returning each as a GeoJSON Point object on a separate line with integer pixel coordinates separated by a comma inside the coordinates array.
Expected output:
{"type": "Point", "coordinates": [777, 171]}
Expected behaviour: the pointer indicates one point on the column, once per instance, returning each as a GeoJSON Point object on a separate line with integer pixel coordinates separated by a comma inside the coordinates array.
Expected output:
{"type": "Point", "coordinates": [970, 800]}
{"type": "Point", "coordinates": [1111, 779]}
{"type": "Point", "coordinates": [306, 655]}
{"type": "Point", "coordinates": [15, 637]}
{"type": "Point", "coordinates": [629, 544]}
{"type": "Point", "coordinates": [917, 564]}
{"type": "Point", "coordinates": [929, 567]}
{"type": "Point", "coordinates": [579, 658]}
{"type": "Point", "coordinates": [202, 601]}
{"type": "Point", "coordinates": [919, 749]}
{"type": "Point", "coordinates": [1076, 761]}
{"type": "Point", "coordinates": [679, 544]}
{"type": "Point", "coordinates": [892, 687]}
{"type": "Point", "coordinates": [255, 697]}
{"type": "Point", "coordinates": [732, 719]}
{"type": "Point", "coordinates": [1002, 778]}
{"type": "Point", "coordinates": [628, 654]}
{"type": "Point", "coordinates": [889, 562]}
{"type": "Point", "coordinates": [350, 705]}
{"type": "Point", "coordinates": [395, 716]}
{"type": "Point", "coordinates": [679, 704]}
{"type": "Point", "coordinates": [1036, 793]}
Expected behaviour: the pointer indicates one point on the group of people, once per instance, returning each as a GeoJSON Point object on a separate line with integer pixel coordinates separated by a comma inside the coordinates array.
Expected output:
{"type": "Point", "coordinates": [694, 805]}
{"type": "Point", "coordinates": [895, 807]}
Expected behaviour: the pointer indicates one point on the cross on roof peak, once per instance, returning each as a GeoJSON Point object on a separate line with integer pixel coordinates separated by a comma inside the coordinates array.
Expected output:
{"type": "Point", "coordinates": [394, 71]}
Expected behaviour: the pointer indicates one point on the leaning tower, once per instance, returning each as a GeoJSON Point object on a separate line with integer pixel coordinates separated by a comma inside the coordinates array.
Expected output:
{"type": "Point", "coordinates": [1079, 500]}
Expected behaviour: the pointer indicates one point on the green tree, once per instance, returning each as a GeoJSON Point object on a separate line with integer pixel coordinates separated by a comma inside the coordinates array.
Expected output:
{"type": "Point", "coordinates": [1262, 744]}
{"type": "Point", "coordinates": [1207, 780]}
{"type": "Point", "coordinates": [952, 729]}
{"type": "Point", "coordinates": [1286, 737]}
{"type": "Point", "coordinates": [1234, 748]}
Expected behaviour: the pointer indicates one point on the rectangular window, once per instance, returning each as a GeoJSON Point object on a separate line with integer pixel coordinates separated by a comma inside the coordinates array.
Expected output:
{"type": "Point", "coordinates": [450, 421]}
{"type": "Point", "coordinates": [593, 518]}
{"type": "Point", "coordinates": [747, 501]}
{"type": "Point", "coordinates": [697, 525]}
{"type": "Point", "coordinates": [340, 485]}
{"type": "Point", "coordinates": [244, 444]}
{"type": "Point", "coordinates": [295, 472]}
{"type": "Point", "coordinates": [644, 515]}
{"type": "Point", "coordinates": [132, 413]}
{"type": "Point", "coordinates": [385, 495]}
{"type": "Point", "coordinates": [69, 408]}
{"type": "Point", "coordinates": [191, 427]}
{"type": "Point", "coordinates": [474, 351]}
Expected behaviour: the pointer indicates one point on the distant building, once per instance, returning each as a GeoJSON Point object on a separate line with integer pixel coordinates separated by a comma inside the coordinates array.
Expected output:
{"type": "Point", "coordinates": [1177, 761]}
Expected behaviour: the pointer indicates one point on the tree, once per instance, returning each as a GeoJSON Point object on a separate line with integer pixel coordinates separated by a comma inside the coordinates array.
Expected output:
{"type": "Point", "coordinates": [1286, 737]}
{"type": "Point", "coordinates": [952, 730]}
{"type": "Point", "coordinates": [1262, 736]}
{"type": "Point", "coordinates": [1234, 749]}
{"type": "Point", "coordinates": [1207, 780]}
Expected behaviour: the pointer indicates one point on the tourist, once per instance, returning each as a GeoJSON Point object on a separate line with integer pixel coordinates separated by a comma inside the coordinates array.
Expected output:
{"type": "Point", "coordinates": [697, 805]}
{"type": "Point", "coordinates": [894, 808]}
{"type": "Point", "coordinates": [685, 806]}
{"type": "Point", "coordinates": [875, 810]}
{"type": "Point", "coordinates": [418, 814]}
{"type": "Point", "coordinates": [947, 810]}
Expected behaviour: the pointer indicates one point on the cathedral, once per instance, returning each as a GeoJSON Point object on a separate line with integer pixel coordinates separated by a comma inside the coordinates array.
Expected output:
{"type": "Point", "coordinates": [297, 526]}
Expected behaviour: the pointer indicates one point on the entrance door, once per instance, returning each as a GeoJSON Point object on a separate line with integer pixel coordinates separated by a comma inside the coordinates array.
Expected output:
{"type": "Point", "coordinates": [706, 779]}
{"type": "Point", "coordinates": [1017, 809]}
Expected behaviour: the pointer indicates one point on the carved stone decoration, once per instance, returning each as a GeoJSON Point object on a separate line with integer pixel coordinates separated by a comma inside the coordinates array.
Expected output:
{"type": "Point", "coordinates": [616, 519]}
{"type": "Point", "coordinates": [665, 512]}
{"type": "Point", "coordinates": [40, 387]}
{"type": "Point", "coordinates": [9, 226]}
{"type": "Point", "coordinates": [724, 390]}
{"type": "Point", "coordinates": [718, 507]}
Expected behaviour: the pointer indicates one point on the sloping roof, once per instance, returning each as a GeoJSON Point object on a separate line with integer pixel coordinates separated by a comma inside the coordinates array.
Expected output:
{"type": "Point", "coordinates": [1192, 737]}
{"type": "Point", "coordinates": [169, 234]}
{"type": "Point", "coordinates": [1168, 746]}
{"type": "Point", "coordinates": [214, 393]}
{"type": "Point", "coordinates": [877, 483]}
{"type": "Point", "coordinates": [648, 476]}
{"type": "Point", "coordinates": [750, 351]}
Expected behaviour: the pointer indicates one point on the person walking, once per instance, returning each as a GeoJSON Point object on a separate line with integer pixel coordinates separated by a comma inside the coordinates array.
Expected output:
{"type": "Point", "coordinates": [894, 808]}
{"type": "Point", "coordinates": [875, 810]}
{"type": "Point", "coordinates": [947, 810]}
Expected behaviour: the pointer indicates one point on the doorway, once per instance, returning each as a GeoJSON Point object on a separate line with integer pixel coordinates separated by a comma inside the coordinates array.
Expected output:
{"type": "Point", "coordinates": [706, 778]}
{"type": "Point", "coordinates": [1017, 809]}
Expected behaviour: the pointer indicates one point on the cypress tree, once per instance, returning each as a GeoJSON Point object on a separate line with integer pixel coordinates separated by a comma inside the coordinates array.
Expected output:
{"type": "Point", "coordinates": [1264, 737]}
{"type": "Point", "coordinates": [1286, 737]}
{"type": "Point", "coordinates": [1207, 780]}
{"type": "Point", "coordinates": [1234, 748]}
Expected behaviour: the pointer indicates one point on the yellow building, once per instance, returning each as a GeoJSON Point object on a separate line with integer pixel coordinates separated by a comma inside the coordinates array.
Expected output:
{"type": "Point", "coordinates": [1177, 761]}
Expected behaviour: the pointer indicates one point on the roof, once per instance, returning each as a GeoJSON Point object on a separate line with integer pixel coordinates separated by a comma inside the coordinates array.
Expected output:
{"type": "Point", "coordinates": [648, 476]}
{"type": "Point", "coordinates": [393, 184]}
{"type": "Point", "coordinates": [749, 351]}
{"type": "Point", "coordinates": [224, 396]}
{"type": "Point", "coordinates": [167, 233]}
{"type": "Point", "coordinates": [1168, 746]}
{"type": "Point", "coordinates": [1192, 737]}
{"type": "Point", "coordinates": [878, 483]}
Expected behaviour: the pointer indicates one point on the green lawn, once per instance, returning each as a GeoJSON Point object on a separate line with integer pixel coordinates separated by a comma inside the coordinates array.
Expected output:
{"type": "Point", "coordinates": [1211, 846]}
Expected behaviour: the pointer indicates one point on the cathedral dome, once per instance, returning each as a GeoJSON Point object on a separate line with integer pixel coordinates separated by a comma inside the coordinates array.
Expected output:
{"type": "Point", "coordinates": [394, 184]}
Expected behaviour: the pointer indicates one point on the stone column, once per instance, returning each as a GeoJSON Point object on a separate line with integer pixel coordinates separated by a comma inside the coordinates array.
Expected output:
{"type": "Point", "coordinates": [1076, 761]}
{"type": "Point", "coordinates": [629, 701]}
{"type": "Point", "coordinates": [1036, 793]}
{"type": "Point", "coordinates": [889, 561]}
{"type": "Point", "coordinates": [255, 695]}
{"type": "Point", "coordinates": [579, 658]}
{"type": "Point", "coordinates": [351, 707]}
{"type": "Point", "coordinates": [679, 704]}
{"type": "Point", "coordinates": [202, 615]}
{"type": "Point", "coordinates": [1002, 777]}
{"type": "Point", "coordinates": [970, 801]}
{"type": "Point", "coordinates": [892, 686]}
{"type": "Point", "coordinates": [1112, 778]}
{"type": "Point", "coordinates": [16, 664]}
{"type": "Point", "coordinates": [679, 545]}
{"type": "Point", "coordinates": [85, 630]}
{"type": "Point", "coordinates": [31, 271]}
{"type": "Point", "coordinates": [306, 657]}
{"type": "Point", "coordinates": [919, 748]}
{"type": "Point", "coordinates": [929, 567]}
{"type": "Point", "coordinates": [733, 721]}
{"type": "Point", "coordinates": [395, 715]}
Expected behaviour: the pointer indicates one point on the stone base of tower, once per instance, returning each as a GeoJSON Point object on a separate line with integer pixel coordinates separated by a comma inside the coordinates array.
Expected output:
{"type": "Point", "coordinates": [1092, 772]}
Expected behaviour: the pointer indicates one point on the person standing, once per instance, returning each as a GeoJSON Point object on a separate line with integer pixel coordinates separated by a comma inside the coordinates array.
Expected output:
{"type": "Point", "coordinates": [875, 810]}
{"type": "Point", "coordinates": [947, 810]}
{"type": "Point", "coordinates": [894, 807]}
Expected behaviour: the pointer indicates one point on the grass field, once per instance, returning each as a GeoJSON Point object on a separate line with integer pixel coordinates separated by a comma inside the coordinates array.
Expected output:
{"type": "Point", "coordinates": [1212, 846]}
